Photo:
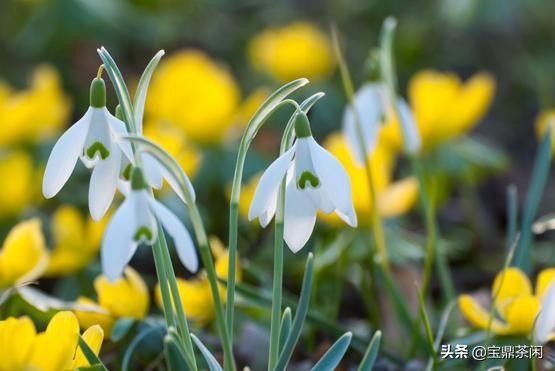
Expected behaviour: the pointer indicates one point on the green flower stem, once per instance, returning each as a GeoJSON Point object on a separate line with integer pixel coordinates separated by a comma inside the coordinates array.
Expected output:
{"type": "Point", "coordinates": [275, 322]}
{"type": "Point", "coordinates": [163, 281]}
{"type": "Point", "coordinates": [179, 310]}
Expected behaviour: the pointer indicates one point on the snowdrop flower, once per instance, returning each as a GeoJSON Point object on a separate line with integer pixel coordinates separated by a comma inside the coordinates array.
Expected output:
{"type": "Point", "coordinates": [94, 139]}
{"type": "Point", "coordinates": [136, 221]}
{"type": "Point", "coordinates": [372, 108]}
{"type": "Point", "coordinates": [544, 329]}
{"type": "Point", "coordinates": [314, 180]}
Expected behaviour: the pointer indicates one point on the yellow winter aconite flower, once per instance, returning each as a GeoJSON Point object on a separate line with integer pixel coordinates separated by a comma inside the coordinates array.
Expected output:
{"type": "Point", "coordinates": [296, 50]}
{"type": "Point", "coordinates": [16, 182]}
{"type": "Point", "coordinates": [125, 297]}
{"type": "Point", "coordinates": [36, 113]}
{"type": "Point", "coordinates": [195, 293]}
{"type": "Point", "coordinates": [55, 349]}
{"type": "Point", "coordinates": [544, 118]}
{"type": "Point", "coordinates": [516, 305]}
{"type": "Point", "coordinates": [24, 256]}
{"type": "Point", "coordinates": [394, 197]}
{"type": "Point", "coordinates": [173, 141]}
{"type": "Point", "coordinates": [191, 91]}
{"type": "Point", "coordinates": [444, 107]}
{"type": "Point", "coordinates": [76, 240]}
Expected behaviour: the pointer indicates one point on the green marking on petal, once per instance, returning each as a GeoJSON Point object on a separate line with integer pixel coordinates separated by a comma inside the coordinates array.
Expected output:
{"type": "Point", "coordinates": [98, 147]}
{"type": "Point", "coordinates": [126, 174]}
{"type": "Point", "coordinates": [307, 176]}
{"type": "Point", "coordinates": [143, 233]}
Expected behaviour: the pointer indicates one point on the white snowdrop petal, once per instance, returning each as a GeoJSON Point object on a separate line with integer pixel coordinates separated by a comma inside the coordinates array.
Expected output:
{"type": "Point", "coordinates": [152, 170]}
{"type": "Point", "coordinates": [369, 106]}
{"type": "Point", "coordinates": [174, 184]}
{"type": "Point", "coordinates": [181, 237]}
{"type": "Point", "coordinates": [411, 136]}
{"type": "Point", "coordinates": [545, 323]}
{"type": "Point", "coordinates": [117, 245]}
{"type": "Point", "coordinates": [119, 129]}
{"type": "Point", "coordinates": [268, 214]}
{"type": "Point", "coordinates": [103, 184]}
{"type": "Point", "coordinates": [299, 218]}
{"type": "Point", "coordinates": [64, 156]}
{"type": "Point", "coordinates": [269, 183]}
{"type": "Point", "coordinates": [335, 182]}
{"type": "Point", "coordinates": [143, 215]}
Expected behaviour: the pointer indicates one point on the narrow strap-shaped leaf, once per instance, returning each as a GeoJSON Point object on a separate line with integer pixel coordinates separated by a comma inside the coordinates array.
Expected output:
{"type": "Point", "coordinates": [523, 252]}
{"type": "Point", "coordinates": [119, 86]}
{"type": "Point", "coordinates": [134, 344]}
{"type": "Point", "coordinates": [91, 357]}
{"type": "Point", "coordinates": [334, 355]}
{"type": "Point", "coordinates": [175, 357]}
{"type": "Point", "coordinates": [142, 89]}
{"type": "Point", "coordinates": [371, 352]}
{"type": "Point", "coordinates": [428, 327]}
{"type": "Point", "coordinates": [208, 357]}
{"type": "Point", "coordinates": [300, 316]}
{"type": "Point", "coordinates": [285, 328]}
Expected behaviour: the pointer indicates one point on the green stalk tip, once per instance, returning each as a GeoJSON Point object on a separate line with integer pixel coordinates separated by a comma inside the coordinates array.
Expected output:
{"type": "Point", "coordinates": [302, 125]}
{"type": "Point", "coordinates": [98, 93]}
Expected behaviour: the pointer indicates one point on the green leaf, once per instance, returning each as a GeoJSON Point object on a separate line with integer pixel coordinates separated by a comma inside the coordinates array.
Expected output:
{"type": "Point", "coordinates": [45, 303]}
{"type": "Point", "coordinates": [285, 328]}
{"type": "Point", "coordinates": [142, 89]}
{"type": "Point", "coordinates": [208, 357]}
{"type": "Point", "coordinates": [175, 357]}
{"type": "Point", "coordinates": [523, 252]}
{"type": "Point", "coordinates": [119, 86]}
{"type": "Point", "coordinates": [121, 328]}
{"type": "Point", "coordinates": [134, 344]}
{"type": "Point", "coordinates": [300, 316]}
{"type": "Point", "coordinates": [89, 354]}
{"type": "Point", "coordinates": [335, 353]}
{"type": "Point", "coordinates": [371, 353]}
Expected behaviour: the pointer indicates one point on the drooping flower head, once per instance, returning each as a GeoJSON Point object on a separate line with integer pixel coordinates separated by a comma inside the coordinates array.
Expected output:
{"type": "Point", "coordinates": [135, 222]}
{"type": "Point", "coordinates": [315, 180]}
{"type": "Point", "coordinates": [93, 139]}
{"type": "Point", "coordinates": [544, 329]}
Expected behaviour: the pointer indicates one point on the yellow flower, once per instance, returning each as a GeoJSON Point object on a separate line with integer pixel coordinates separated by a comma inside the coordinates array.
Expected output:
{"type": "Point", "coordinates": [36, 113]}
{"type": "Point", "coordinates": [24, 256]}
{"type": "Point", "coordinates": [191, 91]}
{"type": "Point", "coordinates": [445, 107]}
{"type": "Point", "coordinates": [76, 240]}
{"type": "Point", "coordinates": [296, 50]}
{"type": "Point", "coordinates": [173, 141]}
{"type": "Point", "coordinates": [16, 182]}
{"type": "Point", "coordinates": [516, 305]}
{"type": "Point", "coordinates": [394, 197]}
{"type": "Point", "coordinates": [55, 349]}
{"type": "Point", "coordinates": [195, 293]}
{"type": "Point", "coordinates": [541, 125]}
{"type": "Point", "coordinates": [125, 297]}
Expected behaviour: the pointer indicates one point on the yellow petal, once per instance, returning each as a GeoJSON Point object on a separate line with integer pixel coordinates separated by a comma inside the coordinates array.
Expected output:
{"type": "Point", "coordinates": [541, 124]}
{"type": "Point", "coordinates": [398, 198]}
{"type": "Point", "coordinates": [24, 256]}
{"type": "Point", "coordinates": [16, 339]}
{"type": "Point", "coordinates": [478, 316]}
{"type": "Point", "coordinates": [126, 297]}
{"type": "Point", "coordinates": [543, 280]}
{"type": "Point", "coordinates": [93, 336]}
{"type": "Point", "coordinates": [508, 285]}
{"type": "Point", "coordinates": [95, 316]}
{"type": "Point", "coordinates": [222, 264]}
{"type": "Point", "coordinates": [521, 314]}
{"type": "Point", "coordinates": [55, 348]}
{"type": "Point", "coordinates": [16, 182]}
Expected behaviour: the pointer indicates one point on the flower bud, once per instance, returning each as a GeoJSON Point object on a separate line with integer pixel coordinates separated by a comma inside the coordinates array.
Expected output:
{"type": "Point", "coordinates": [302, 125]}
{"type": "Point", "coordinates": [98, 93]}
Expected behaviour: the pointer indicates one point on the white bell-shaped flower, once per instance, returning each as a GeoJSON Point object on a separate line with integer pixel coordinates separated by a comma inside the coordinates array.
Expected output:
{"type": "Point", "coordinates": [544, 328]}
{"type": "Point", "coordinates": [135, 222]}
{"type": "Point", "coordinates": [314, 180]}
{"type": "Point", "coordinates": [93, 139]}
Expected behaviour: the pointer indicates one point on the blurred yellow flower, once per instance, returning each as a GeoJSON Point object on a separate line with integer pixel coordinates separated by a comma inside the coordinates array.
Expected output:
{"type": "Point", "coordinates": [173, 141]}
{"type": "Point", "coordinates": [55, 349]}
{"type": "Point", "coordinates": [76, 240]}
{"type": "Point", "coordinates": [516, 305]}
{"type": "Point", "coordinates": [195, 293]}
{"type": "Point", "coordinates": [541, 125]}
{"type": "Point", "coordinates": [247, 193]}
{"type": "Point", "coordinates": [394, 197]}
{"type": "Point", "coordinates": [193, 92]}
{"type": "Point", "coordinates": [16, 182]}
{"type": "Point", "coordinates": [125, 297]}
{"type": "Point", "coordinates": [24, 256]}
{"type": "Point", "coordinates": [36, 113]}
{"type": "Point", "coordinates": [444, 107]}
{"type": "Point", "coordinates": [296, 50]}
